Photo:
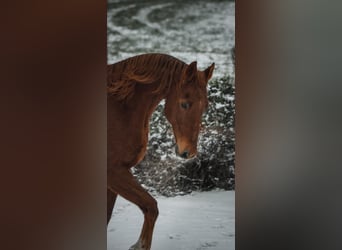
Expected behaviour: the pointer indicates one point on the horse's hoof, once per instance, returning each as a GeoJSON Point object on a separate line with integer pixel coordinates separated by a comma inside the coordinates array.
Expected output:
{"type": "Point", "coordinates": [137, 246]}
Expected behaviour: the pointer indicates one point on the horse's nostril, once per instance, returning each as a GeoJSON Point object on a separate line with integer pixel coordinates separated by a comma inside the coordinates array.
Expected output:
{"type": "Point", "coordinates": [185, 154]}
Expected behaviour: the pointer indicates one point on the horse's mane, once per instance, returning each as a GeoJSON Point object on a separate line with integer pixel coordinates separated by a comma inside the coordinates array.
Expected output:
{"type": "Point", "coordinates": [160, 69]}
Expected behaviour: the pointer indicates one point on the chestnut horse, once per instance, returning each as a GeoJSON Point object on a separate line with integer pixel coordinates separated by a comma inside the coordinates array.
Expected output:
{"type": "Point", "coordinates": [135, 87]}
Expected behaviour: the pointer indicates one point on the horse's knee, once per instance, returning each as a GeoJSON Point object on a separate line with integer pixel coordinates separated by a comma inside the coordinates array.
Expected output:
{"type": "Point", "coordinates": [154, 210]}
{"type": "Point", "coordinates": [151, 209]}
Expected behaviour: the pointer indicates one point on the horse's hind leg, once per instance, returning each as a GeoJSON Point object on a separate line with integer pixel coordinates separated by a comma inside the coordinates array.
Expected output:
{"type": "Point", "coordinates": [122, 182]}
{"type": "Point", "coordinates": [111, 197]}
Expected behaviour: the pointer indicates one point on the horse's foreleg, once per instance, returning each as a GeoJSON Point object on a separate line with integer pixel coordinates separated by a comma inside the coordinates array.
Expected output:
{"type": "Point", "coordinates": [123, 183]}
{"type": "Point", "coordinates": [111, 197]}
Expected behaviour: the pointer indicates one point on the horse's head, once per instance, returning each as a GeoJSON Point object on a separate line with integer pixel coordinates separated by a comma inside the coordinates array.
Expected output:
{"type": "Point", "coordinates": [184, 107]}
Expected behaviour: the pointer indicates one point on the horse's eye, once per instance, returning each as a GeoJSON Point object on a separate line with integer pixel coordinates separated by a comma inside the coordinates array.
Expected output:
{"type": "Point", "coordinates": [185, 105]}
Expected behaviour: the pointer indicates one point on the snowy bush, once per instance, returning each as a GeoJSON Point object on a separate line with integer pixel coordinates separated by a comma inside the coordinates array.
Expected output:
{"type": "Point", "coordinates": [164, 172]}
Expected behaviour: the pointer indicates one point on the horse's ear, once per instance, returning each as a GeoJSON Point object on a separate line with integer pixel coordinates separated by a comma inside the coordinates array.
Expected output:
{"type": "Point", "coordinates": [191, 69]}
{"type": "Point", "coordinates": [209, 71]}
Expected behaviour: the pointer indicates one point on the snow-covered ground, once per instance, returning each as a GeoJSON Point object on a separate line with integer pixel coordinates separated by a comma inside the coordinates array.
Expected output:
{"type": "Point", "coordinates": [199, 221]}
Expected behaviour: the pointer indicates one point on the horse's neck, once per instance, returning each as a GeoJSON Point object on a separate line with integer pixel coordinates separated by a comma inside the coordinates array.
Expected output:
{"type": "Point", "coordinates": [152, 104]}
{"type": "Point", "coordinates": [144, 104]}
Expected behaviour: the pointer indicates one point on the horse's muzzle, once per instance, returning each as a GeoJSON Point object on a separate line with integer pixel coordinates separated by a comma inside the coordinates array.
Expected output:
{"type": "Point", "coordinates": [185, 154]}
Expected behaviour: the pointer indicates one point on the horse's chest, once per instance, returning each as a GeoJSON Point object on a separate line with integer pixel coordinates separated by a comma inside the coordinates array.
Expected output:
{"type": "Point", "coordinates": [138, 149]}
{"type": "Point", "coordinates": [137, 154]}
{"type": "Point", "coordinates": [140, 155]}
{"type": "Point", "coordinates": [128, 147]}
